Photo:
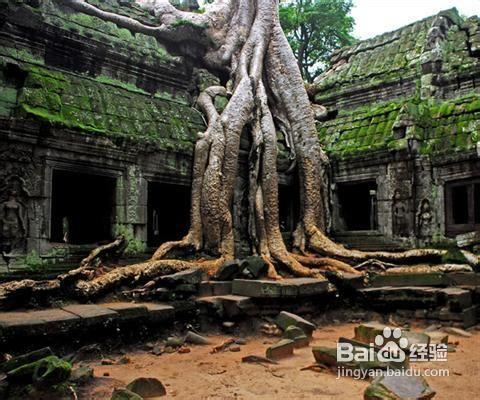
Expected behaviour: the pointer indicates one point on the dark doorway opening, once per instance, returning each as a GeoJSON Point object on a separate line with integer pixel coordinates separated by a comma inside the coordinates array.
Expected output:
{"type": "Point", "coordinates": [462, 206]}
{"type": "Point", "coordinates": [358, 205]}
{"type": "Point", "coordinates": [288, 207]}
{"type": "Point", "coordinates": [168, 212]}
{"type": "Point", "coordinates": [82, 207]}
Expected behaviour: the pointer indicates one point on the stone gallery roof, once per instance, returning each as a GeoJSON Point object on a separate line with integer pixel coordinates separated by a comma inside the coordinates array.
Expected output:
{"type": "Point", "coordinates": [419, 82]}
{"type": "Point", "coordinates": [83, 73]}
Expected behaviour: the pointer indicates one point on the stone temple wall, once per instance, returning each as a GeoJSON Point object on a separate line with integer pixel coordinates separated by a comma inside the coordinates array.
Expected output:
{"type": "Point", "coordinates": [82, 97]}
{"type": "Point", "coordinates": [404, 114]}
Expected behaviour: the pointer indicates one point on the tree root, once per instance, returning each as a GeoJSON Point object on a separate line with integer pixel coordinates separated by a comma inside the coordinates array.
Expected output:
{"type": "Point", "coordinates": [140, 273]}
{"type": "Point", "coordinates": [321, 244]}
{"type": "Point", "coordinates": [98, 255]}
{"type": "Point", "coordinates": [325, 264]}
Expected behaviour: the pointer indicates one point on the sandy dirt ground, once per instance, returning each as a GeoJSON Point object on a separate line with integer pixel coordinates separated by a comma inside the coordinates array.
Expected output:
{"type": "Point", "coordinates": [201, 375]}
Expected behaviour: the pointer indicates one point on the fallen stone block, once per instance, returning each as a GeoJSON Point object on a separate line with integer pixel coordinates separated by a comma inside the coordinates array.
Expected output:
{"type": "Point", "coordinates": [81, 375]}
{"type": "Point", "coordinates": [254, 267]}
{"type": "Point", "coordinates": [47, 371]}
{"type": "Point", "coordinates": [392, 387]}
{"type": "Point", "coordinates": [188, 277]}
{"type": "Point", "coordinates": [367, 332]}
{"type": "Point", "coordinates": [437, 337]}
{"type": "Point", "coordinates": [27, 358]}
{"type": "Point", "coordinates": [284, 348]}
{"type": "Point", "coordinates": [362, 358]}
{"type": "Point", "coordinates": [124, 394]}
{"type": "Point", "coordinates": [229, 306]}
{"type": "Point", "coordinates": [286, 319]}
{"type": "Point", "coordinates": [147, 387]}
{"type": "Point", "coordinates": [297, 335]}
{"type": "Point", "coordinates": [228, 271]}
{"type": "Point", "coordinates": [457, 332]}
{"type": "Point", "coordinates": [416, 338]}
{"type": "Point", "coordinates": [194, 338]}
{"type": "Point", "coordinates": [325, 355]}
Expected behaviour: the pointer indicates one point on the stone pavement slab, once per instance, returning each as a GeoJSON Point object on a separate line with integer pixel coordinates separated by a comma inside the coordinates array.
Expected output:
{"type": "Point", "coordinates": [36, 323]}
{"type": "Point", "coordinates": [277, 289]}
{"type": "Point", "coordinates": [92, 314]}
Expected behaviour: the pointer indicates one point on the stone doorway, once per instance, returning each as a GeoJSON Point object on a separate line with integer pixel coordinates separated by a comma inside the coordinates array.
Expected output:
{"type": "Point", "coordinates": [168, 212]}
{"type": "Point", "coordinates": [358, 205]}
{"type": "Point", "coordinates": [82, 207]}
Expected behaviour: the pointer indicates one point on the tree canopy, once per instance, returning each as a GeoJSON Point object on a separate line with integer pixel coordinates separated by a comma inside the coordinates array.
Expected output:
{"type": "Point", "coordinates": [314, 29]}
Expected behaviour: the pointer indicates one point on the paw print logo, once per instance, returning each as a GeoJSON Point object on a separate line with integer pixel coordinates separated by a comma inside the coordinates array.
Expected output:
{"type": "Point", "coordinates": [392, 345]}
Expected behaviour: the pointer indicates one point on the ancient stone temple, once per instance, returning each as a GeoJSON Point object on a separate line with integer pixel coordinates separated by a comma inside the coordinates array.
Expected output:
{"type": "Point", "coordinates": [98, 128]}
{"type": "Point", "coordinates": [402, 131]}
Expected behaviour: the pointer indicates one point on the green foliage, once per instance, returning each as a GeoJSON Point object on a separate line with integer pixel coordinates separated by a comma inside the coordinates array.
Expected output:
{"type": "Point", "coordinates": [33, 261]}
{"type": "Point", "coordinates": [314, 29]}
{"type": "Point", "coordinates": [134, 246]}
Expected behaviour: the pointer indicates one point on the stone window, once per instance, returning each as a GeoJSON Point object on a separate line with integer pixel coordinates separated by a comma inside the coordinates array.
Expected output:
{"type": "Point", "coordinates": [358, 205]}
{"type": "Point", "coordinates": [462, 205]}
{"type": "Point", "coordinates": [168, 212]}
{"type": "Point", "coordinates": [82, 207]}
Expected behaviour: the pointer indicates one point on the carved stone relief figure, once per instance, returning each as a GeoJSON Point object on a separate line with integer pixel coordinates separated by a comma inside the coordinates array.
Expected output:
{"type": "Point", "coordinates": [399, 211]}
{"type": "Point", "coordinates": [13, 221]}
{"type": "Point", "coordinates": [424, 219]}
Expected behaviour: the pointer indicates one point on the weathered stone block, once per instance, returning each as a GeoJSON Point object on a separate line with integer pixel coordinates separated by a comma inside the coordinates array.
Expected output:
{"type": "Point", "coordinates": [127, 311]}
{"type": "Point", "coordinates": [426, 279]}
{"type": "Point", "coordinates": [228, 271]}
{"type": "Point", "coordinates": [159, 312]}
{"type": "Point", "coordinates": [367, 332]}
{"type": "Point", "coordinates": [147, 387]}
{"type": "Point", "coordinates": [254, 267]}
{"type": "Point", "coordinates": [27, 358]}
{"type": "Point", "coordinates": [437, 337]}
{"type": "Point", "coordinates": [215, 288]}
{"type": "Point", "coordinates": [124, 394]}
{"type": "Point", "coordinates": [390, 387]}
{"type": "Point", "coordinates": [36, 323]}
{"type": "Point", "coordinates": [92, 314]}
{"type": "Point", "coordinates": [284, 348]}
{"type": "Point", "coordinates": [297, 335]}
{"type": "Point", "coordinates": [464, 278]}
{"type": "Point", "coordinates": [191, 276]}
{"type": "Point", "coordinates": [278, 289]}
{"type": "Point", "coordinates": [286, 319]}
{"type": "Point", "coordinates": [229, 306]}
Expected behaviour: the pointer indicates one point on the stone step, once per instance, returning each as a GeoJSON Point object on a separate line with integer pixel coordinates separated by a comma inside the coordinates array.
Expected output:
{"type": "Point", "coordinates": [286, 288]}
{"type": "Point", "coordinates": [445, 304]}
{"type": "Point", "coordinates": [426, 279]}
{"type": "Point", "coordinates": [229, 306]}
{"type": "Point", "coordinates": [412, 296]}
{"type": "Point", "coordinates": [214, 288]}
{"type": "Point", "coordinates": [75, 318]}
